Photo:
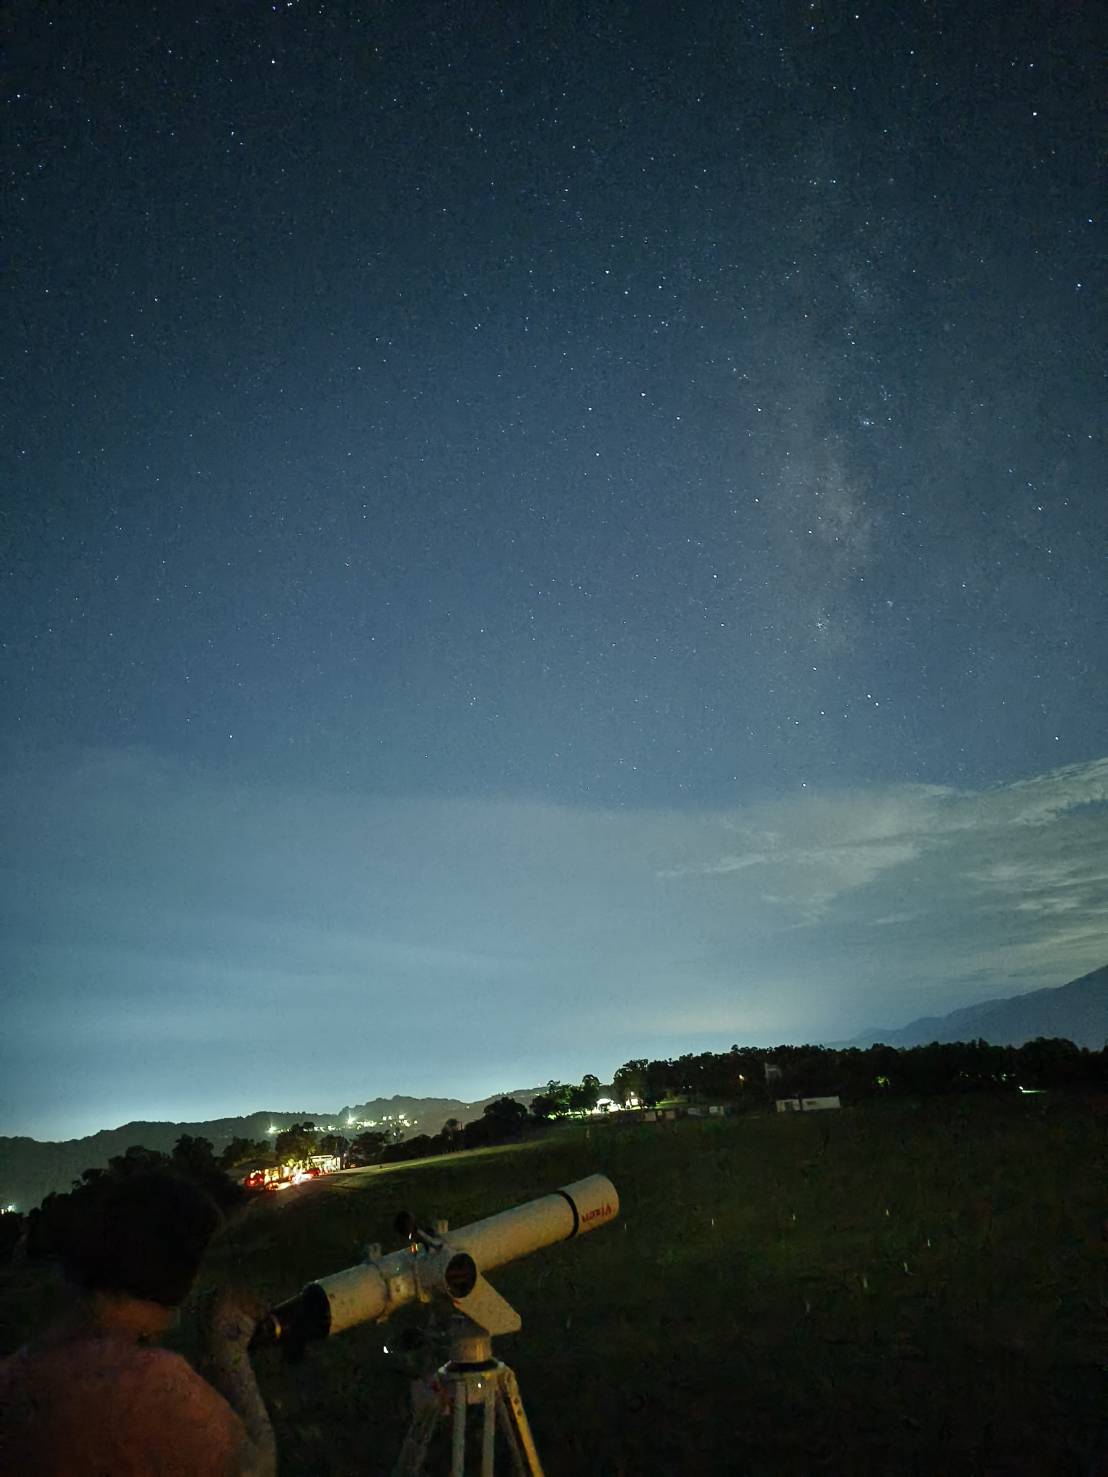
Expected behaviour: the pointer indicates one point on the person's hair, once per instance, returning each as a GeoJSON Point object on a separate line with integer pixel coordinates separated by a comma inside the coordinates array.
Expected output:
{"type": "Point", "coordinates": [143, 1233]}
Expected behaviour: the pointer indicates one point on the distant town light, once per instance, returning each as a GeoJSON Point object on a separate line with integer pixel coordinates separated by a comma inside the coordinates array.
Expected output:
{"type": "Point", "coordinates": [10, 1208]}
{"type": "Point", "coordinates": [274, 1129]}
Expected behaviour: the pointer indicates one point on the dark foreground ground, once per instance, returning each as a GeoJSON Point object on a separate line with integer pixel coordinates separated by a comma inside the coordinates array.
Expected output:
{"type": "Point", "coordinates": [889, 1290]}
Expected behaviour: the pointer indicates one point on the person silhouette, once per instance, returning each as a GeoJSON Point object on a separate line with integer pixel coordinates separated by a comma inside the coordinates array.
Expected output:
{"type": "Point", "coordinates": [93, 1394]}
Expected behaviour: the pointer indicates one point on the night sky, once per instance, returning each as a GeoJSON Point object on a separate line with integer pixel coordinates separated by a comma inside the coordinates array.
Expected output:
{"type": "Point", "coordinates": [542, 534]}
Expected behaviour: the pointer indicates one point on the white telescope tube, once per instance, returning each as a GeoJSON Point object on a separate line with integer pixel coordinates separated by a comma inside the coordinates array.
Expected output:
{"type": "Point", "coordinates": [580, 1207]}
{"type": "Point", "coordinates": [375, 1289]}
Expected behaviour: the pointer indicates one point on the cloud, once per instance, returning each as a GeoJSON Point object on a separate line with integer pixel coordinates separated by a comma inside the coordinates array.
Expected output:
{"type": "Point", "coordinates": [411, 944]}
{"type": "Point", "coordinates": [1005, 842]}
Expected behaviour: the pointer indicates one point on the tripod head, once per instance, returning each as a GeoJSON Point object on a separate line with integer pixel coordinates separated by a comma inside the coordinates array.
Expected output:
{"type": "Point", "coordinates": [437, 1264]}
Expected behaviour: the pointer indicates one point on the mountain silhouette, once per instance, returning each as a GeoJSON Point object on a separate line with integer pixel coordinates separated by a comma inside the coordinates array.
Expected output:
{"type": "Point", "coordinates": [31, 1169]}
{"type": "Point", "coordinates": [1077, 1012]}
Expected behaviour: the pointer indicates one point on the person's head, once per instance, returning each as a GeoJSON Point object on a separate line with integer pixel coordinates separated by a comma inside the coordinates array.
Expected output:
{"type": "Point", "coordinates": [141, 1235]}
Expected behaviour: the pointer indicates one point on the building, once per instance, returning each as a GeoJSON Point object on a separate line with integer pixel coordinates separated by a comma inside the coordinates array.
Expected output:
{"type": "Point", "coordinates": [806, 1104]}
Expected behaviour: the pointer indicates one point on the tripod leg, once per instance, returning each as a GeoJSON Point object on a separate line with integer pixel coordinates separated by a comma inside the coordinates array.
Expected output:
{"type": "Point", "coordinates": [519, 1425]}
{"type": "Point", "coordinates": [413, 1453]}
{"type": "Point", "coordinates": [511, 1440]}
{"type": "Point", "coordinates": [488, 1433]}
{"type": "Point", "coordinates": [458, 1444]}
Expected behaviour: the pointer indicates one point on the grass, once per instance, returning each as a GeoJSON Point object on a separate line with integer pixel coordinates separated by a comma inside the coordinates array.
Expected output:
{"type": "Point", "coordinates": [889, 1290]}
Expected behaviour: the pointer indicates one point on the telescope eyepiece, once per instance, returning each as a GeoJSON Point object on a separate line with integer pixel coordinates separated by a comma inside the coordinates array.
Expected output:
{"type": "Point", "coordinates": [460, 1276]}
{"type": "Point", "coordinates": [294, 1324]}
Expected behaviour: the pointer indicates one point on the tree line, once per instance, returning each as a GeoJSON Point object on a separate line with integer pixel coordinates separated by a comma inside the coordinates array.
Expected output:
{"type": "Point", "coordinates": [754, 1077]}
{"type": "Point", "coordinates": [44, 1229]}
{"type": "Point", "coordinates": [748, 1078]}
{"type": "Point", "coordinates": [47, 1228]}
{"type": "Point", "coordinates": [501, 1120]}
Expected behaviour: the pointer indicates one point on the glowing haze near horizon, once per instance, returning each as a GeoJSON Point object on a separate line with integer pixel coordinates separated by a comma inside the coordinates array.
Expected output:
{"type": "Point", "coordinates": [539, 541]}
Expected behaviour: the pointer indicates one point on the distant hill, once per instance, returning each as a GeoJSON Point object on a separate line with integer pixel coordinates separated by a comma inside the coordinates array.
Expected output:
{"type": "Point", "coordinates": [30, 1169]}
{"type": "Point", "coordinates": [1077, 1012]}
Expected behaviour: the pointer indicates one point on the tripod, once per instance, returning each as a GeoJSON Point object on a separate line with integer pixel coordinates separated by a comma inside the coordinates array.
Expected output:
{"type": "Point", "coordinates": [471, 1376]}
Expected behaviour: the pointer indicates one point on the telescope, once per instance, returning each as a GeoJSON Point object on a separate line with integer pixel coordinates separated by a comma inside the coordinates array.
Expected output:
{"type": "Point", "coordinates": [446, 1268]}
{"type": "Point", "coordinates": [440, 1263]}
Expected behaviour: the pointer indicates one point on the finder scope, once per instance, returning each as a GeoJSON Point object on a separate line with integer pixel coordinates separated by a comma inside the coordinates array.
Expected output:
{"type": "Point", "coordinates": [445, 1264]}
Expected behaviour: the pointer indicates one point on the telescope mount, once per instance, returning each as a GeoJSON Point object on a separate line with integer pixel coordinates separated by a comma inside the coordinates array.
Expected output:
{"type": "Point", "coordinates": [471, 1376]}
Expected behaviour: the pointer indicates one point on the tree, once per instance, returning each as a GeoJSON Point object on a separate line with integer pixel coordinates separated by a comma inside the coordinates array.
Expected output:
{"type": "Point", "coordinates": [195, 1159]}
{"type": "Point", "coordinates": [1051, 1061]}
{"type": "Point", "coordinates": [419, 1146]}
{"type": "Point", "coordinates": [506, 1116]}
{"type": "Point", "coordinates": [660, 1081]}
{"type": "Point", "coordinates": [333, 1143]}
{"type": "Point", "coordinates": [367, 1148]}
{"type": "Point", "coordinates": [559, 1095]}
{"type": "Point", "coordinates": [194, 1156]}
{"type": "Point", "coordinates": [584, 1097]}
{"type": "Point", "coordinates": [629, 1081]}
{"type": "Point", "coordinates": [296, 1143]}
{"type": "Point", "coordinates": [134, 1158]}
{"type": "Point", "coordinates": [242, 1151]}
{"type": "Point", "coordinates": [589, 1092]}
{"type": "Point", "coordinates": [478, 1132]}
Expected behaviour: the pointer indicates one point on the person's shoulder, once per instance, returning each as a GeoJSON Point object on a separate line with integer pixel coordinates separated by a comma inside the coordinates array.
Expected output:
{"type": "Point", "coordinates": [175, 1404]}
{"type": "Point", "coordinates": [160, 1361]}
{"type": "Point", "coordinates": [87, 1363]}
{"type": "Point", "coordinates": [164, 1371]}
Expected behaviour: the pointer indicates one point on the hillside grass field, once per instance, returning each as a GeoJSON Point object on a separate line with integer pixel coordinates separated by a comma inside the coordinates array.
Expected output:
{"type": "Point", "coordinates": [895, 1289]}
